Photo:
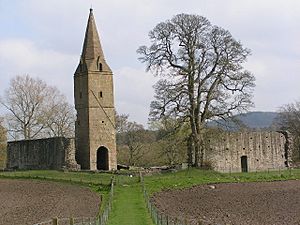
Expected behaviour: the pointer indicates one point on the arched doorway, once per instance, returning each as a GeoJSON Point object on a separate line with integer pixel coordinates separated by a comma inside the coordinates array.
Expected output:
{"type": "Point", "coordinates": [102, 158]}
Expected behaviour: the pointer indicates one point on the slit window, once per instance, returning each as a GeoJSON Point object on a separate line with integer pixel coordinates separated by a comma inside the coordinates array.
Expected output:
{"type": "Point", "coordinates": [100, 95]}
{"type": "Point", "coordinates": [100, 67]}
{"type": "Point", "coordinates": [80, 94]}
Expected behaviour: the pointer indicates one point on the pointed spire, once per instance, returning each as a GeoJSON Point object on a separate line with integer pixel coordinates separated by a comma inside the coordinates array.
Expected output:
{"type": "Point", "coordinates": [91, 47]}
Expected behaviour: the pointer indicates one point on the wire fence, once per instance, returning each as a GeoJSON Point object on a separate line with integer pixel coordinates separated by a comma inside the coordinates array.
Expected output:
{"type": "Point", "coordinates": [102, 219]}
{"type": "Point", "coordinates": [161, 218]}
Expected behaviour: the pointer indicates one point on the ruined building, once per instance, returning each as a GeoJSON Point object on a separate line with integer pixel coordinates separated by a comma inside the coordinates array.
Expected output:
{"type": "Point", "coordinates": [95, 126]}
{"type": "Point", "coordinates": [48, 153]}
{"type": "Point", "coordinates": [249, 151]}
{"type": "Point", "coordinates": [95, 129]}
{"type": "Point", "coordinates": [94, 102]}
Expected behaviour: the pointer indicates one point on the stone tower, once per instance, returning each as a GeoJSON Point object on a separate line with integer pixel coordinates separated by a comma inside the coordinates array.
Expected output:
{"type": "Point", "coordinates": [94, 102]}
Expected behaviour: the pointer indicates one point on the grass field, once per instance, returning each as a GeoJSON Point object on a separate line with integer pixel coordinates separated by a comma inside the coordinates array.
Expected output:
{"type": "Point", "coordinates": [191, 177]}
{"type": "Point", "coordinates": [128, 204]}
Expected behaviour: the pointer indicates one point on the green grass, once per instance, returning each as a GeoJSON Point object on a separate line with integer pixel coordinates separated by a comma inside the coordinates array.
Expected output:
{"type": "Point", "coordinates": [129, 206]}
{"type": "Point", "coordinates": [82, 177]}
{"type": "Point", "coordinates": [192, 177]}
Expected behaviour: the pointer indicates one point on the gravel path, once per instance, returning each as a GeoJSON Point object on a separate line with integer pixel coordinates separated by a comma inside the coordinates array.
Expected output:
{"type": "Point", "coordinates": [27, 202]}
{"type": "Point", "coordinates": [265, 203]}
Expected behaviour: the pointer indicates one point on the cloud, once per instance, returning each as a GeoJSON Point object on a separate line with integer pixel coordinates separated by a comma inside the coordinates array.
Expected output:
{"type": "Point", "coordinates": [277, 81]}
{"type": "Point", "coordinates": [134, 92]}
{"type": "Point", "coordinates": [19, 56]}
{"type": "Point", "coordinates": [44, 38]}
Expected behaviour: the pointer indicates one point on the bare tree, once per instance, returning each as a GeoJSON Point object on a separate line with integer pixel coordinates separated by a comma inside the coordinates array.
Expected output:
{"type": "Point", "coordinates": [289, 119]}
{"type": "Point", "coordinates": [121, 123]}
{"type": "Point", "coordinates": [171, 136]}
{"type": "Point", "coordinates": [35, 109]}
{"type": "Point", "coordinates": [133, 137]}
{"type": "Point", "coordinates": [202, 75]}
{"type": "Point", "coordinates": [3, 139]}
{"type": "Point", "coordinates": [61, 123]}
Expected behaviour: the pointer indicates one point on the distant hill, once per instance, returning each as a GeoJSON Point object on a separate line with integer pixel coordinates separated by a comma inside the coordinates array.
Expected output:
{"type": "Point", "coordinates": [253, 120]}
{"type": "Point", "coordinates": [258, 119]}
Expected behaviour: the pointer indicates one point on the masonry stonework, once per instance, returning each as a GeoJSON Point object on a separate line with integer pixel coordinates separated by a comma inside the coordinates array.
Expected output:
{"type": "Point", "coordinates": [48, 153]}
{"type": "Point", "coordinates": [94, 103]}
{"type": "Point", "coordinates": [248, 151]}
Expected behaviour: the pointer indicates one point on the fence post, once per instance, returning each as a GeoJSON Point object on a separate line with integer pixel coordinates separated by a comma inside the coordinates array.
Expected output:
{"type": "Point", "coordinates": [186, 221]}
{"type": "Point", "coordinates": [71, 221]}
{"type": "Point", "coordinates": [279, 171]}
{"type": "Point", "coordinates": [158, 218]}
{"type": "Point", "coordinates": [55, 221]}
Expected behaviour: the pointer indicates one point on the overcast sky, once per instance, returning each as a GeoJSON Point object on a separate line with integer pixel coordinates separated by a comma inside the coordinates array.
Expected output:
{"type": "Point", "coordinates": [44, 39]}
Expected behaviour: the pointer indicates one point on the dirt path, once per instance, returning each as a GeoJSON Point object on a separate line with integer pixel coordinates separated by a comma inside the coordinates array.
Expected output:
{"type": "Point", "coordinates": [28, 202]}
{"type": "Point", "coordinates": [265, 203]}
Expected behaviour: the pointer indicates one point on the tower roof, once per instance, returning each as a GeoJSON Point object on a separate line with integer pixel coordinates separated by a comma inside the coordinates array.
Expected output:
{"type": "Point", "coordinates": [91, 46]}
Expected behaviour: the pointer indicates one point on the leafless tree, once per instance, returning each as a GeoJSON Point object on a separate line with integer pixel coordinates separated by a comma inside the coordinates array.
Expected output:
{"type": "Point", "coordinates": [62, 121]}
{"type": "Point", "coordinates": [3, 139]}
{"type": "Point", "coordinates": [132, 136]}
{"type": "Point", "coordinates": [35, 109]}
{"type": "Point", "coordinates": [121, 123]}
{"type": "Point", "coordinates": [171, 136]}
{"type": "Point", "coordinates": [289, 119]}
{"type": "Point", "coordinates": [202, 75]}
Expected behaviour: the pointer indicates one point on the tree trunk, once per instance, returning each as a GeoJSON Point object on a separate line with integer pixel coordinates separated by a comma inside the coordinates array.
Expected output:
{"type": "Point", "coordinates": [190, 150]}
{"type": "Point", "coordinates": [130, 156]}
{"type": "Point", "coordinates": [201, 151]}
{"type": "Point", "coordinates": [199, 146]}
{"type": "Point", "coordinates": [197, 151]}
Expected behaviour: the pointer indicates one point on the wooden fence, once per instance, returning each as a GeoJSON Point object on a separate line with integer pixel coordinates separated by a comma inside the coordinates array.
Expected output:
{"type": "Point", "coordinates": [161, 218]}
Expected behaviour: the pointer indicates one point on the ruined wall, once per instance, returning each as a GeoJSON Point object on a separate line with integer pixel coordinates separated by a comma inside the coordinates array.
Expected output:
{"type": "Point", "coordinates": [48, 153]}
{"type": "Point", "coordinates": [262, 150]}
{"type": "Point", "coordinates": [3, 140]}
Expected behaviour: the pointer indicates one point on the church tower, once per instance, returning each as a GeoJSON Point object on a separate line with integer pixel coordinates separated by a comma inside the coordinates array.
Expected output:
{"type": "Point", "coordinates": [95, 138]}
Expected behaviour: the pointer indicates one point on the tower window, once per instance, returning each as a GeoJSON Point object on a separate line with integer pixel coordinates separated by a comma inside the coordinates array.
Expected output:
{"type": "Point", "coordinates": [102, 121]}
{"type": "Point", "coordinates": [80, 94]}
{"type": "Point", "coordinates": [100, 94]}
{"type": "Point", "coordinates": [99, 64]}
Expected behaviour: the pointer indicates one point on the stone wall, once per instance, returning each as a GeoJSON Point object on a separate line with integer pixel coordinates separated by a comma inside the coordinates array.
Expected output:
{"type": "Point", "coordinates": [48, 153]}
{"type": "Point", "coordinates": [260, 150]}
{"type": "Point", "coordinates": [3, 138]}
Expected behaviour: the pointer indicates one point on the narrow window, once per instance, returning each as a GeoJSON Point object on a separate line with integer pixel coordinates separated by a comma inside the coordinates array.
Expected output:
{"type": "Point", "coordinates": [80, 94]}
{"type": "Point", "coordinates": [100, 94]}
{"type": "Point", "coordinates": [99, 65]}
